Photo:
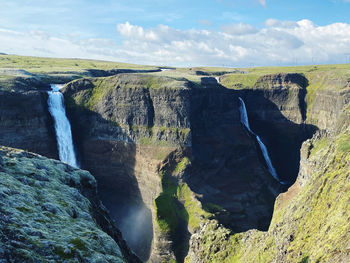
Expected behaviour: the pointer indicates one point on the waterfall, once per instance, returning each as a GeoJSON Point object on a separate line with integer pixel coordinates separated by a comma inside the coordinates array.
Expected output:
{"type": "Point", "coordinates": [217, 80]}
{"type": "Point", "coordinates": [62, 126]}
{"type": "Point", "coordinates": [245, 122]}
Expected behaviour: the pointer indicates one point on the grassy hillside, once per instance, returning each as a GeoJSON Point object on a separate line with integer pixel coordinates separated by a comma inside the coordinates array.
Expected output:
{"type": "Point", "coordinates": [50, 65]}
{"type": "Point", "coordinates": [54, 70]}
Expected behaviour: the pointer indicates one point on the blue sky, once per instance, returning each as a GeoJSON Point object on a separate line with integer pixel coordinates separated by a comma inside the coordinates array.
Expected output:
{"type": "Point", "coordinates": [202, 32]}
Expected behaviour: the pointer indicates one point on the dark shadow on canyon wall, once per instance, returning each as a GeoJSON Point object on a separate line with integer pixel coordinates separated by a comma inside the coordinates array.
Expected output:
{"type": "Point", "coordinates": [102, 151]}
{"type": "Point", "coordinates": [282, 137]}
{"type": "Point", "coordinates": [228, 171]}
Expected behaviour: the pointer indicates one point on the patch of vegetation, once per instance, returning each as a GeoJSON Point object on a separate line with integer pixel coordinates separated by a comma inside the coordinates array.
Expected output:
{"type": "Point", "coordinates": [182, 165]}
{"type": "Point", "coordinates": [319, 145]}
{"type": "Point", "coordinates": [239, 81]}
{"type": "Point", "coordinates": [212, 208]}
{"type": "Point", "coordinates": [78, 243]}
{"type": "Point", "coordinates": [343, 143]}
{"type": "Point", "coordinates": [63, 253]}
{"type": "Point", "coordinates": [193, 207]}
{"type": "Point", "coordinates": [102, 86]}
{"type": "Point", "coordinates": [177, 202]}
{"type": "Point", "coordinates": [52, 65]}
{"type": "Point", "coordinates": [165, 205]}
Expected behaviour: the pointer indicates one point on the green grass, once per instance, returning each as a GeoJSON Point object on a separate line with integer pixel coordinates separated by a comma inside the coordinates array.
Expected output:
{"type": "Point", "coordinates": [193, 207]}
{"type": "Point", "coordinates": [319, 145]}
{"type": "Point", "coordinates": [102, 86]}
{"type": "Point", "coordinates": [181, 166]}
{"type": "Point", "coordinates": [177, 202]}
{"type": "Point", "coordinates": [56, 70]}
{"type": "Point", "coordinates": [240, 81]}
{"type": "Point", "coordinates": [52, 65]}
{"type": "Point", "coordinates": [212, 208]}
{"type": "Point", "coordinates": [343, 143]}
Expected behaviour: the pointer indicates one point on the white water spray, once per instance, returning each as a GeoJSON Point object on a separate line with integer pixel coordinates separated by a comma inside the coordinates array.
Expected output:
{"type": "Point", "coordinates": [62, 126]}
{"type": "Point", "coordinates": [245, 122]}
{"type": "Point", "coordinates": [217, 80]}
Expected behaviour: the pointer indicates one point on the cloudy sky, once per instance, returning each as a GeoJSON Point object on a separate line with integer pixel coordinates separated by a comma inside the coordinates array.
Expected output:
{"type": "Point", "coordinates": [232, 33]}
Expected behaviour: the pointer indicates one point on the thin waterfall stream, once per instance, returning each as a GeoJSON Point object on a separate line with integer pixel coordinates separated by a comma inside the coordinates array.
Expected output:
{"type": "Point", "coordinates": [245, 122]}
{"type": "Point", "coordinates": [62, 126]}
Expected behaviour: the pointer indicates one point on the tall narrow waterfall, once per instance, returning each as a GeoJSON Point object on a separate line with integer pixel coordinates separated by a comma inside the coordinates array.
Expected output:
{"type": "Point", "coordinates": [62, 126]}
{"type": "Point", "coordinates": [245, 122]}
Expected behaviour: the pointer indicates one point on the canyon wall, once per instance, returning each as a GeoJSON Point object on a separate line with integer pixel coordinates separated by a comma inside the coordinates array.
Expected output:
{"type": "Point", "coordinates": [310, 221]}
{"type": "Point", "coordinates": [126, 125]}
{"type": "Point", "coordinates": [25, 121]}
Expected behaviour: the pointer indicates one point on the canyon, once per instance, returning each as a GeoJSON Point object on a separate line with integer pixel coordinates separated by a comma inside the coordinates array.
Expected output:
{"type": "Point", "coordinates": [181, 176]}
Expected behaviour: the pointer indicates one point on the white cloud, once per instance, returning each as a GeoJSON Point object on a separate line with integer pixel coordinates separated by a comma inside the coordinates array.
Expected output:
{"type": "Point", "coordinates": [239, 29]}
{"type": "Point", "coordinates": [262, 2]}
{"type": "Point", "coordinates": [281, 24]}
{"type": "Point", "coordinates": [279, 42]}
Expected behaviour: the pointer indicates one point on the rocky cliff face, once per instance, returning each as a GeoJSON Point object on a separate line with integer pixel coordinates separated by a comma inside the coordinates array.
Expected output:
{"type": "Point", "coordinates": [310, 220]}
{"type": "Point", "coordinates": [276, 107]}
{"type": "Point", "coordinates": [126, 125]}
{"type": "Point", "coordinates": [327, 106]}
{"type": "Point", "coordinates": [49, 212]}
{"type": "Point", "coordinates": [24, 118]}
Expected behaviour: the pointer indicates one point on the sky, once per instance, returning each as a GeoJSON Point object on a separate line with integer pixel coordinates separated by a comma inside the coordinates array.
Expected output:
{"type": "Point", "coordinates": [230, 33]}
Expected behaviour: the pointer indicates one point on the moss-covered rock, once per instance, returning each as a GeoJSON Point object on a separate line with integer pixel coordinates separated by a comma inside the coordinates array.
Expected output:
{"type": "Point", "coordinates": [49, 212]}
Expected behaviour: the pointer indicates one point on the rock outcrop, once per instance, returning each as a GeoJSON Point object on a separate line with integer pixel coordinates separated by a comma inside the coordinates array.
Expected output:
{"type": "Point", "coordinates": [50, 212]}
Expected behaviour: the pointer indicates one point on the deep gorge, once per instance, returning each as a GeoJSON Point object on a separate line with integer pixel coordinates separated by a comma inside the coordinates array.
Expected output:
{"type": "Point", "coordinates": [121, 135]}
{"type": "Point", "coordinates": [155, 140]}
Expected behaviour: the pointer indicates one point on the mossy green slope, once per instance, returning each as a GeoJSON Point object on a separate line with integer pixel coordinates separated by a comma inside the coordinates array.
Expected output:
{"type": "Point", "coordinates": [44, 217]}
{"type": "Point", "coordinates": [177, 208]}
